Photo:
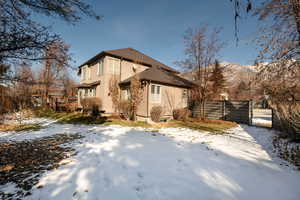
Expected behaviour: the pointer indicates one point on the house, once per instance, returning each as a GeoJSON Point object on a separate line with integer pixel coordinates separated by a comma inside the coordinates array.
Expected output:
{"type": "Point", "coordinates": [59, 96]}
{"type": "Point", "coordinates": [163, 85]}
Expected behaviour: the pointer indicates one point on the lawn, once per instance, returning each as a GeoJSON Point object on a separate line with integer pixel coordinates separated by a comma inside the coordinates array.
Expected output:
{"type": "Point", "coordinates": [213, 126]}
{"type": "Point", "coordinates": [93, 161]}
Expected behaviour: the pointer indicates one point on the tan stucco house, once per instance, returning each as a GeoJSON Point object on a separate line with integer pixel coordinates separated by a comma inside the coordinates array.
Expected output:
{"type": "Point", "coordinates": [163, 87]}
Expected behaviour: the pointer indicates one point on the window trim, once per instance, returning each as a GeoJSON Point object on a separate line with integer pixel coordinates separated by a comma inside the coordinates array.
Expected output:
{"type": "Point", "coordinates": [156, 96]}
{"type": "Point", "coordinates": [184, 95]}
{"type": "Point", "coordinates": [113, 65]}
{"type": "Point", "coordinates": [100, 67]}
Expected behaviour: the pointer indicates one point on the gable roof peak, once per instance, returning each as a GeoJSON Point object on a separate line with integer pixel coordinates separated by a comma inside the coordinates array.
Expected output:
{"type": "Point", "coordinates": [133, 55]}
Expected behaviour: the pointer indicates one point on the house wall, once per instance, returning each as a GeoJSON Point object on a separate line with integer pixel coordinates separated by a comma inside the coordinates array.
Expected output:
{"type": "Point", "coordinates": [102, 90]}
{"type": "Point", "coordinates": [171, 98]}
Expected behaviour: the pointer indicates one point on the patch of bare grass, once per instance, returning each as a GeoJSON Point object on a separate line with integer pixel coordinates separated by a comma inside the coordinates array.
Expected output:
{"type": "Point", "coordinates": [22, 163]}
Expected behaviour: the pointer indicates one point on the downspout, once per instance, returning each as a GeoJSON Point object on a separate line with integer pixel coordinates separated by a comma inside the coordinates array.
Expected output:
{"type": "Point", "coordinates": [120, 80]}
{"type": "Point", "coordinates": [148, 99]}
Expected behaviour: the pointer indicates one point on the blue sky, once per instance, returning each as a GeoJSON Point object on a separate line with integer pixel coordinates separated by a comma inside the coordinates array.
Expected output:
{"type": "Point", "coordinates": [156, 28]}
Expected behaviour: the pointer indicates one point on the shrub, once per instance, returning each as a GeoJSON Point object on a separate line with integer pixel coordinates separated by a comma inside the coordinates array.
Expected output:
{"type": "Point", "coordinates": [71, 107]}
{"type": "Point", "coordinates": [181, 114]}
{"type": "Point", "coordinates": [156, 113]}
{"type": "Point", "coordinates": [91, 105]}
{"type": "Point", "coordinates": [125, 109]}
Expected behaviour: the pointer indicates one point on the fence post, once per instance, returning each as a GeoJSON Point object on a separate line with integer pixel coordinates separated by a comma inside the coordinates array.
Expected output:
{"type": "Point", "coordinates": [223, 110]}
{"type": "Point", "coordinates": [251, 111]}
{"type": "Point", "coordinates": [272, 112]}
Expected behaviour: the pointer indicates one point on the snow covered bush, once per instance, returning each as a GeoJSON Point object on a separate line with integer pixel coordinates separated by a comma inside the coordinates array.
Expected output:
{"type": "Point", "coordinates": [156, 113]}
{"type": "Point", "coordinates": [22, 115]}
{"type": "Point", "coordinates": [91, 105]}
{"type": "Point", "coordinates": [287, 150]}
{"type": "Point", "coordinates": [125, 109]}
{"type": "Point", "coordinates": [181, 114]}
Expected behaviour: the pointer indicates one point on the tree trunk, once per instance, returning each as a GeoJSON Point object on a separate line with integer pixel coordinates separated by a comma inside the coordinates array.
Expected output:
{"type": "Point", "coordinates": [296, 12]}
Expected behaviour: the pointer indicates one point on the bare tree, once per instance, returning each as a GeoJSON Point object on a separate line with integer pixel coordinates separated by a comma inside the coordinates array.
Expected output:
{"type": "Point", "coordinates": [280, 49]}
{"type": "Point", "coordinates": [21, 37]}
{"type": "Point", "coordinates": [53, 68]}
{"type": "Point", "coordinates": [23, 88]}
{"type": "Point", "coordinates": [136, 94]}
{"type": "Point", "coordinates": [201, 48]}
{"type": "Point", "coordinates": [114, 91]}
{"type": "Point", "coordinates": [68, 86]}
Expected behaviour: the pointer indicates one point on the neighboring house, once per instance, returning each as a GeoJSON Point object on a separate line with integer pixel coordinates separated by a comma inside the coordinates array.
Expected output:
{"type": "Point", "coordinates": [163, 85]}
{"type": "Point", "coordinates": [58, 97]}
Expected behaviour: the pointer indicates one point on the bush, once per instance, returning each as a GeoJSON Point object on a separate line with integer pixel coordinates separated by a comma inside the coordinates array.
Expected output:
{"type": "Point", "coordinates": [91, 105]}
{"type": "Point", "coordinates": [125, 109]}
{"type": "Point", "coordinates": [71, 107]}
{"type": "Point", "coordinates": [156, 113]}
{"type": "Point", "coordinates": [181, 114]}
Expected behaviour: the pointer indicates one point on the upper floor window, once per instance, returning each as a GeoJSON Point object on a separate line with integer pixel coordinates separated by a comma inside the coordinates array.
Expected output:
{"type": "Point", "coordinates": [100, 67]}
{"type": "Point", "coordinates": [114, 66]}
{"type": "Point", "coordinates": [83, 73]}
{"type": "Point", "coordinates": [184, 95]}
{"type": "Point", "coordinates": [89, 73]}
{"type": "Point", "coordinates": [155, 93]}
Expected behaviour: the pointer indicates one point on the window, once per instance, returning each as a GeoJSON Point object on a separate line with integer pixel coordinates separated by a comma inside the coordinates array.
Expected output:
{"type": "Point", "coordinates": [126, 94]}
{"type": "Point", "coordinates": [114, 66]}
{"type": "Point", "coordinates": [89, 73]}
{"type": "Point", "coordinates": [184, 95]}
{"type": "Point", "coordinates": [100, 68]}
{"type": "Point", "coordinates": [83, 73]}
{"type": "Point", "coordinates": [155, 94]}
{"type": "Point", "coordinates": [86, 92]}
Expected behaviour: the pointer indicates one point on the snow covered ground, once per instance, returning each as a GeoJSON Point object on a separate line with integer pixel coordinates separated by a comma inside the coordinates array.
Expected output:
{"type": "Point", "coordinates": [262, 121]}
{"type": "Point", "coordinates": [114, 162]}
{"type": "Point", "coordinates": [262, 117]}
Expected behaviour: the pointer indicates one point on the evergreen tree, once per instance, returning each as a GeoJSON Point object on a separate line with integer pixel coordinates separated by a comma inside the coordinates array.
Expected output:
{"type": "Point", "coordinates": [218, 82]}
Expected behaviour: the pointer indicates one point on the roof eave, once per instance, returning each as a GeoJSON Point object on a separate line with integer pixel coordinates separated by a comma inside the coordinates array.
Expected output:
{"type": "Point", "coordinates": [103, 53]}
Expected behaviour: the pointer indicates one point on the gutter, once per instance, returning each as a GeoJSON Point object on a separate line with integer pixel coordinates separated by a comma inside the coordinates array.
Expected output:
{"type": "Point", "coordinates": [148, 99]}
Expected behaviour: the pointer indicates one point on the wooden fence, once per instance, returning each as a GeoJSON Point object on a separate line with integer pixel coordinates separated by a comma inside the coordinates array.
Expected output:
{"type": "Point", "coordinates": [237, 111]}
{"type": "Point", "coordinates": [276, 123]}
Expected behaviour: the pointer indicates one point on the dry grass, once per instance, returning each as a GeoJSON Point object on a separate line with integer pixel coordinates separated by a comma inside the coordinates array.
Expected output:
{"type": "Point", "coordinates": [213, 126]}
{"type": "Point", "coordinates": [23, 127]}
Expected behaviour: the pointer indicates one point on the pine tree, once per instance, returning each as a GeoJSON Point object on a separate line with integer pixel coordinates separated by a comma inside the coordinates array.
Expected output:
{"type": "Point", "coordinates": [218, 82]}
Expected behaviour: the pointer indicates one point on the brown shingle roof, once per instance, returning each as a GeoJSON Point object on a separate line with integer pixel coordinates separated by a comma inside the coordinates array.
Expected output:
{"type": "Point", "coordinates": [158, 75]}
{"type": "Point", "coordinates": [130, 54]}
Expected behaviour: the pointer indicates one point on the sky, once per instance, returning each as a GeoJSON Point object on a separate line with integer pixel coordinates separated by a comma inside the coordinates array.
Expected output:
{"type": "Point", "coordinates": [156, 28]}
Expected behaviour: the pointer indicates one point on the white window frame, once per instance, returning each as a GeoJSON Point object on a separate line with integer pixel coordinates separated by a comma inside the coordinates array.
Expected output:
{"type": "Point", "coordinates": [114, 66]}
{"type": "Point", "coordinates": [126, 94]}
{"type": "Point", "coordinates": [89, 73]}
{"type": "Point", "coordinates": [100, 67]}
{"type": "Point", "coordinates": [184, 95]}
{"type": "Point", "coordinates": [83, 73]}
{"type": "Point", "coordinates": [156, 96]}
{"type": "Point", "coordinates": [94, 92]}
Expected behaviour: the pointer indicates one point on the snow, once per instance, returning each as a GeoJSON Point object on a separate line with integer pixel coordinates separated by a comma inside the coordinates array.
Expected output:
{"type": "Point", "coordinates": [114, 162]}
{"type": "Point", "coordinates": [262, 121]}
